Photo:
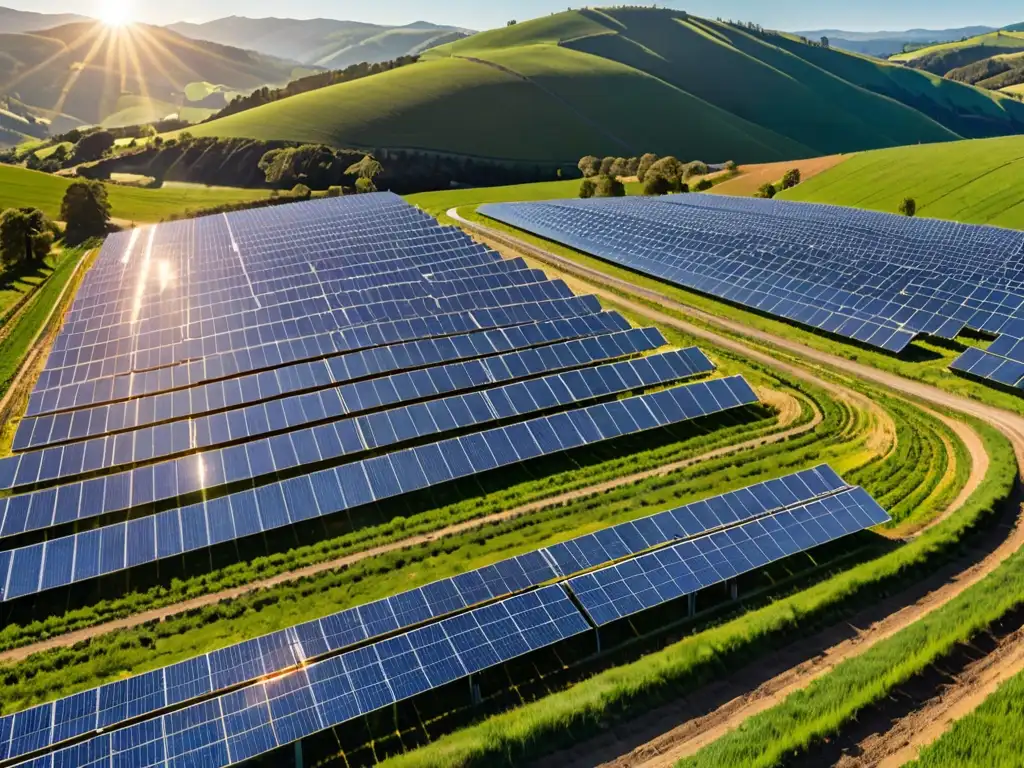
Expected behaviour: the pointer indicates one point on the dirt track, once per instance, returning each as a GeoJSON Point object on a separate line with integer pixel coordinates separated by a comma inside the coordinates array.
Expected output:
{"type": "Point", "coordinates": [664, 736]}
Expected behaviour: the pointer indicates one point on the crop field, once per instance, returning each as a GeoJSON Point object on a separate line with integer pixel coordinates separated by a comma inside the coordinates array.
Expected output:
{"type": "Point", "coordinates": [20, 187]}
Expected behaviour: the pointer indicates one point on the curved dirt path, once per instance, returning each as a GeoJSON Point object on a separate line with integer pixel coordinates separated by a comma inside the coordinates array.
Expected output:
{"type": "Point", "coordinates": [789, 411]}
{"type": "Point", "coordinates": [700, 727]}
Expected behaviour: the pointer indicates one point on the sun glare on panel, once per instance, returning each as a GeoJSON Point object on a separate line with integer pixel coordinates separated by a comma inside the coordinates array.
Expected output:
{"type": "Point", "coordinates": [115, 13]}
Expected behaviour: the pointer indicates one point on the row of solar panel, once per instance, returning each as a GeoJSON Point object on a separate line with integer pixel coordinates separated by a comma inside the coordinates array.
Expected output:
{"type": "Point", "coordinates": [359, 682]}
{"type": "Point", "coordinates": [302, 325]}
{"type": "Point", "coordinates": [83, 556]}
{"type": "Point", "coordinates": [110, 387]}
{"type": "Point", "coordinates": [126, 699]}
{"type": "Point", "coordinates": [667, 574]}
{"type": "Point", "coordinates": [169, 439]}
{"type": "Point", "coordinates": [989, 364]}
{"type": "Point", "coordinates": [258, 459]}
{"type": "Point", "coordinates": [244, 724]}
{"type": "Point", "coordinates": [301, 377]}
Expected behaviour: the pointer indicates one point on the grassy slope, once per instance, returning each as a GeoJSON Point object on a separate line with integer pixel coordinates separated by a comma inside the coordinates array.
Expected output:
{"type": "Point", "coordinates": [20, 187]}
{"type": "Point", "coordinates": [942, 58]}
{"type": "Point", "coordinates": [626, 81]}
{"type": "Point", "coordinates": [977, 182]}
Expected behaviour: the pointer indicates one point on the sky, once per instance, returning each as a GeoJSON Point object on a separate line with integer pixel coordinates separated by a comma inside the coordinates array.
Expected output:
{"type": "Point", "coordinates": [862, 15]}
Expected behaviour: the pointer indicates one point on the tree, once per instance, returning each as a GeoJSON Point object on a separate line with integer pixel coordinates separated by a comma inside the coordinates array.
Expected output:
{"type": "Point", "coordinates": [824, 42]}
{"type": "Point", "coordinates": [364, 186]}
{"type": "Point", "coordinates": [908, 207]}
{"type": "Point", "coordinates": [367, 168]}
{"type": "Point", "coordinates": [86, 211]}
{"type": "Point", "coordinates": [731, 166]}
{"type": "Point", "coordinates": [25, 235]}
{"type": "Point", "coordinates": [620, 167]}
{"type": "Point", "coordinates": [766, 191]}
{"type": "Point", "coordinates": [302, 192]}
{"type": "Point", "coordinates": [656, 183]}
{"type": "Point", "coordinates": [632, 166]}
{"type": "Point", "coordinates": [587, 188]}
{"type": "Point", "coordinates": [609, 186]}
{"type": "Point", "coordinates": [93, 146]}
{"type": "Point", "coordinates": [704, 185]}
{"type": "Point", "coordinates": [791, 179]}
{"type": "Point", "coordinates": [589, 166]}
{"type": "Point", "coordinates": [335, 191]}
{"type": "Point", "coordinates": [646, 161]}
{"type": "Point", "coordinates": [606, 166]}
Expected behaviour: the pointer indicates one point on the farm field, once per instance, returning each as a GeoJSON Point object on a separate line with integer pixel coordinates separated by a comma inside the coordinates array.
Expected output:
{"type": "Point", "coordinates": [547, 74]}
{"type": "Point", "coordinates": [975, 182]}
{"type": "Point", "coordinates": [753, 176]}
{"type": "Point", "coordinates": [21, 187]}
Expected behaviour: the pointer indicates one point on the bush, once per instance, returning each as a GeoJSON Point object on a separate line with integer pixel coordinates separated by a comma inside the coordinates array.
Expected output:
{"type": "Point", "coordinates": [908, 207]}
{"type": "Point", "coordinates": [93, 146]}
{"type": "Point", "coordinates": [684, 188]}
{"type": "Point", "coordinates": [302, 192]}
{"type": "Point", "coordinates": [609, 186]}
{"type": "Point", "coordinates": [766, 191]}
{"type": "Point", "coordinates": [696, 168]}
{"type": "Point", "coordinates": [657, 184]}
{"type": "Point", "coordinates": [86, 211]}
{"type": "Point", "coordinates": [587, 188]}
{"type": "Point", "coordinates": [704, 185]}
{"type": "Point", "coordinates": [364, 186]}
{"type": "Point", "coordinates": [731, 166]}
{"type": "Point", "coordinates": [335, 192]}
{"type": "Point", "coordinates": [791, 179]}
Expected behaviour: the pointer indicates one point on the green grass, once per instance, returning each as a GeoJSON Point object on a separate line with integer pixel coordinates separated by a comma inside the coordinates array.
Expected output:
{"type": "Point", "coordinates": [626, 81]}
{"type": "Point", "coordinates": [944, 57]}
{"type": "Point", "coordinates": [976, 182]}
{"type": "Point", "coordinates": [20, 187]}
{"type": "Point", "coordinates": [989, 737]}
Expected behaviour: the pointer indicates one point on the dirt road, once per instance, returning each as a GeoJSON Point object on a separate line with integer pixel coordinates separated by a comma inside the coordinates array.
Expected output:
{"type": "Point", "coordinates": [681, 729]}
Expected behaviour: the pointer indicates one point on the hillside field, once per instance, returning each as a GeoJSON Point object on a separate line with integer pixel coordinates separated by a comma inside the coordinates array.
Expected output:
{"type": "Point", "coordinates": [627, 81]}
{"type": "Point", "coordinates": [977, 182]}
{"type": "Point", "coordinates": [940, 59]}
{"type": "Point", "coordinates": [23, 188]}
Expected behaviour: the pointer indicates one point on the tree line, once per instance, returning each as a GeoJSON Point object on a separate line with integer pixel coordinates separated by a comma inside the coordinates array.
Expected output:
{"type": "Point", "coordinates": [659, 175]}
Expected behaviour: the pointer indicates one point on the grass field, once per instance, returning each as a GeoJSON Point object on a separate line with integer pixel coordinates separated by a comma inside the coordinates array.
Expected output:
{"type": "Point", "coordinates": [977, 182]}
{"type": "Point", "coordinates": [20, 187]}
{"type": "Point", "coordinates": [627, 81]}
{"type": "Point", "coordinates": [942, 58]}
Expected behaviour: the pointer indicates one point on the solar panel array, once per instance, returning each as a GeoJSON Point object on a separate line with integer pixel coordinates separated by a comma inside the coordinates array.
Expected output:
{"type": "Point", "coordinates": [434, 634]}
{"type": "Point", "coordinates": [225, 377]}
{"type": "Point", "coordinates": [876, 278]}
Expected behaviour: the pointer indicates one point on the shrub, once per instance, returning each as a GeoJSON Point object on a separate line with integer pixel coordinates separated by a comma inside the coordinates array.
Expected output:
{"type": "Point", "coordinates": [791, 179]}
{"type": "Point", "coordinates": [302, 192]}
{"type": "Point", "coordinates": [704, 185]}
{"type": "Point", "coordinates": [363, 186]}
{"type": "Point", "coordinates": [696, 168]}
{"type": "Point", "coordinates": [731, 166]}
{"type": "Point", "coordinates": [335, 192]}
{"type": "Point", "coordinates": [766, 191]}
{"type": "Point", "coordinates": [587, 188]}
{"type": "Point", "coordinates": [908, 207]}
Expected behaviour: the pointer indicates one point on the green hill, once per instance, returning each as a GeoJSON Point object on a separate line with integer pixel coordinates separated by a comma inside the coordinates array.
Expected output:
{"type": "Point", "coordinates": [978, 182]}
{"type": "Point", "coordinates": [944, 58]}
{"type": "Point", "coordinates": [626, 81]}
{"type": "Point", "coordinates": [20, 187]}
{"type": "Point", "coordinates": [85, 69]}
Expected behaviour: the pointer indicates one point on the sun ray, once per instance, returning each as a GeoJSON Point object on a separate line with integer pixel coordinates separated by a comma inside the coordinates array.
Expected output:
{"type": "Point", "coordinates": [67, 50]}
{"type": "Point", "coordinates": [80, 68]}
{"type": "Point", "coordinates": [154, 47]}
{"type": "Point", "coordinates": [133, 57]}
{"type": "Point", "coordinates": [108, 106]}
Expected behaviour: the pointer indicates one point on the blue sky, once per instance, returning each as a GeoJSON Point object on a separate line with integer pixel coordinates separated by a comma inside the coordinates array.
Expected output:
{"type": "Point", "coordinates": [779, 14]}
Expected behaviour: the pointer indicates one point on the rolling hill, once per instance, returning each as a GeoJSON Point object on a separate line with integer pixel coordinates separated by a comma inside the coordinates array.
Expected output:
{"type": "Point", "coordinates": [626, 81]}
{"type": "Point", "coordinates": [884, 44]}
{"type": "Point", "coordinates": [322, 42]}
{"type": "Point", "coordinates": [86, 69]}
{"type": "Point", "coordinates": [977, 182]}
{"type": "Point", "coordinates": [13, 22]}
{"type": "Point", "coordinates": [947, 57]}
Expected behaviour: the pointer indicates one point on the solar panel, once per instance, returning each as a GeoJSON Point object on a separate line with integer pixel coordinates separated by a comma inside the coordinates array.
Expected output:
{"type": "Point", "coordinates": [243, 724]}
{"type": "Point", "coordinates": [97, 552]}
{"type": "Point", "coordinates": [622, 590]}
{"type": "Point", "coordinates": [875, 278]}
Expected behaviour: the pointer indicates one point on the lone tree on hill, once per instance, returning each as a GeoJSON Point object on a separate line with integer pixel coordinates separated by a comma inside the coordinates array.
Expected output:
{"type": "Point", "coordinates": [589, 166]}
{"type": "Point", "coordinates": [86, 211]}
{"type": "Point", "coordinates": [908, 207]}
{"type": "Point", "coordinates": [25, 235]}
{"type": "Point", "coordinates": [791, 179]}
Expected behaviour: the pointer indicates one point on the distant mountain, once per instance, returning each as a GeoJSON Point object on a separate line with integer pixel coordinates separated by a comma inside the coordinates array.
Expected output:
{"type": "Point", "coordinates": [80, 70]}
{"type": "Point", "coordinates": [13, 22]}
{"type": "Point", "coordinates": [325, 43]}
{"type": "Point", "coordinates": [884, 44]}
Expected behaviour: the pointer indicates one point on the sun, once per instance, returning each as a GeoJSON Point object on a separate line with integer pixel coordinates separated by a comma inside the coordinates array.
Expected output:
{"type": "Point", "coordinates": [115, 13]}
